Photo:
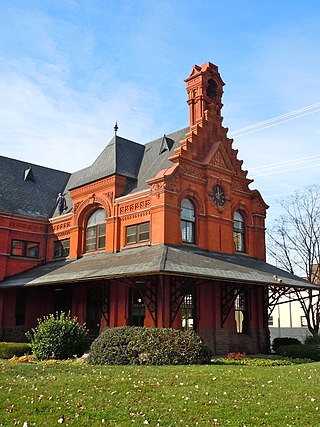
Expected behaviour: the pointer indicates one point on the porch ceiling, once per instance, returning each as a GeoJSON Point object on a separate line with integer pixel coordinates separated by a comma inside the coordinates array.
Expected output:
{"type": "Point", "coordinates": [158, 259]}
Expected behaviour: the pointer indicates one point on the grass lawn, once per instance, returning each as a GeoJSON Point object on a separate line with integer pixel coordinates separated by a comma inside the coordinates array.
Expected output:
{"type": "Point", "coordinates": [77, 394]}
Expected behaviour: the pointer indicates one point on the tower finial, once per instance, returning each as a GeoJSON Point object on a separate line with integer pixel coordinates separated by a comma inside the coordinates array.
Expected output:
{"type": "Point", "coordinates": [115, 128]}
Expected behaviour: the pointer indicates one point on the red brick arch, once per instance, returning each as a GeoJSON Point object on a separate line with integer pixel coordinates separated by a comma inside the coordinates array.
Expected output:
{"type": "Point", "coordinates": [88, 205]}
{"type": "Point", "coordinates": [195, 198]}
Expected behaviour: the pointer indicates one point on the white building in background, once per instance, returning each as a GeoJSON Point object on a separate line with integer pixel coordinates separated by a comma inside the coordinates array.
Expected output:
{"type": "Point", "coordinates": [288, 320]}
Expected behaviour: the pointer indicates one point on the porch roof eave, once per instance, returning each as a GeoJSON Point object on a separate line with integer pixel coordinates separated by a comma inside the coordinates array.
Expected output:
{"type": "Point", "coordinates": [159, 259]}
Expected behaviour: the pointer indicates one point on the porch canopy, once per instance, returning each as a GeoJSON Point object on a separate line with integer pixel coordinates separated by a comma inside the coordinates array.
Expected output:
{"type": "Point", "coordinates": [159, 259]}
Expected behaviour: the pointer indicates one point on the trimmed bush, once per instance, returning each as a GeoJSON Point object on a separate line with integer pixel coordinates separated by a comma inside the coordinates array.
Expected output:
{"type": "Point", "coordinates": [111, 347]}
{"type": "Point", "coordinates": [14, 349]}
{"type": "Point", "coordinates": [278, 342]}
{"type": "Point", "coordinates": [148, 346]}
{"type": "Point", "coordinates": [311, 352]}
{"type": "Point", "coordinates": [312, 340]}
{"type": "Point", "coordinates": [169, 347]}
{"type": "Point", "coordinates": [58, 337]}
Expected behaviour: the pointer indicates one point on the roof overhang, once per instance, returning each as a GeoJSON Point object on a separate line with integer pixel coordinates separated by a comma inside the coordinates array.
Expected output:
{"type": "Point", "coordinates": [159, 259]}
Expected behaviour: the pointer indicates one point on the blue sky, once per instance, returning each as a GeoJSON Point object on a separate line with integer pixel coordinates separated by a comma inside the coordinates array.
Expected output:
{"type": "Point", "coordinates": [69, 69]}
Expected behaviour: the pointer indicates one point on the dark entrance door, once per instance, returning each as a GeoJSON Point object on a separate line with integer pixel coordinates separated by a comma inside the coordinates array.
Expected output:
{"type": "Point", "coordinates": [62, 299]}
{"type": "Point", "coordinates": [137, 308]}
{"type": "Point", "coordinates": [94, 311]}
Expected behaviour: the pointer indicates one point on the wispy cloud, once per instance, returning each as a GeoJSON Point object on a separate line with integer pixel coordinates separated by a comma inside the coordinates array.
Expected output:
{"type": "Point", "coordinates": [48, 122]}
{"type": "Point", "coordinates": [69, 70]}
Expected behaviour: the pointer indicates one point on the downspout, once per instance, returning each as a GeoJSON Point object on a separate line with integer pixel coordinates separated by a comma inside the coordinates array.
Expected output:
{"type": "Point", "coordinates": [45, 243]}
{"type": "Point", "coordinates": [162, 269]}
{"type": "Point", "coordinates": [162, 299]}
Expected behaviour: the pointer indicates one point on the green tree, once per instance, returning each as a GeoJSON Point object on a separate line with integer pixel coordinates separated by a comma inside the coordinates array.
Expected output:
{"type": "Point", "coordinates": [294, 244]}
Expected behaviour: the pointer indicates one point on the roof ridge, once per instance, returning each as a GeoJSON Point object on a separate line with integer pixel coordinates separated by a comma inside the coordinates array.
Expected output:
{"type": "Point", "coordinates": [24, 162]}
{"type": "Point", "coordinates": [163, 259]}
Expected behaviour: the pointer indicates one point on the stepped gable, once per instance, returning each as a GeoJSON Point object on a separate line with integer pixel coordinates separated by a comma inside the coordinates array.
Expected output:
{"type": "Point", "coordinates": [206, 144]}
{"type": "Point", "coordinates": [207, 140]}
{"type": "Point", "coordinates": [29, 189]}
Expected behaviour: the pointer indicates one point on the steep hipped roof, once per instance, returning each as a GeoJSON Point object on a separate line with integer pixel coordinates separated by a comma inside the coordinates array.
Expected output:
{"type": "Point", "coordinates": [159, 259]}
{"type": "Point", "coordinates": [28, 189]}
{"type": "Point", "coordinates": [127, 158]}
{"type": "Point", "coordinates": [130, 159]}
{"type": "Point", "coordinates": [31, 190]}
{"type": "Point", "coordinates": [121, 156]}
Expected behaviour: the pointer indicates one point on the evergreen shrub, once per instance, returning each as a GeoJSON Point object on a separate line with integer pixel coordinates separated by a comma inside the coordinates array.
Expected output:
{"type": "Point", "coordinates": [148, 346]}
{"type": "Point", "coordinates": [311, 352]}
{"type": "Point", "coordinates": [111, 347]}
{"type": "Point", "coordinates": [58, 337]}
{"type": "Point", "coordinates": [14, 349]}
{"type": "Point", "coordinates": [277, 342]}
{"type": "Point", "coordinates": [312, 339]}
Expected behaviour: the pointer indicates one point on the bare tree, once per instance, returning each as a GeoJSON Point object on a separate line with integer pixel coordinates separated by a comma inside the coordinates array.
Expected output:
{"type": "Point", "coordinates": [294, 243]}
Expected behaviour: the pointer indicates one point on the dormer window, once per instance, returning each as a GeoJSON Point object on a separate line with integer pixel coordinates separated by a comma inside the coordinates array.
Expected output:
{"type": "Point", "coordinates": [166, 144]}
{"type": "Point", "coordinates": [96, 231]}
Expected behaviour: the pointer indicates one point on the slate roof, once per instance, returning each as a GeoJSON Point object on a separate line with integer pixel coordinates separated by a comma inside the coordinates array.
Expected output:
{"type": "Point", "coordinates": [32, 190]}
{"type": "Point", "coordinates": [28, 189]}
{"type": "Point", "coordinates": [159, 259]}
{"type": "Point", "coordinates": [154, 161]}
{"type": "Point", "coordinates": [130, 159]}
{"type": "Point", "coordinates": [121, 156]}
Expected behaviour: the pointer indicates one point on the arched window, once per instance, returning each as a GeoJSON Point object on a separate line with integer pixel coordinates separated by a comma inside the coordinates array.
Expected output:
{"type": "Point", "coordinates": [239, 232]}
{"type": "Point", "coordinates": [96, 231]}
{"type": "Point", "coordinates": [212, 89]}
{"type": "Point", "coordinates": [188, 221]}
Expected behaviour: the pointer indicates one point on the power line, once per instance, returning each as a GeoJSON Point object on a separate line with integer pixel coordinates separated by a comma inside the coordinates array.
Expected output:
{"type": "Point", "coordinates": [283, 118]}
{"type": "Point", "coordinates": [292, 162]}
{"type": "Point", "coordinates": [309, 107]}
{"type": "Point", "coordinates": [276, 172]}
{"type": "Point", "coordinates": [305, 162]}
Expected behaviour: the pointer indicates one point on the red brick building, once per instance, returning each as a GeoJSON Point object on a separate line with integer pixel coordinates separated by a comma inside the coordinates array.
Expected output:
{"type": "Point", "coordinates": [166, 234]}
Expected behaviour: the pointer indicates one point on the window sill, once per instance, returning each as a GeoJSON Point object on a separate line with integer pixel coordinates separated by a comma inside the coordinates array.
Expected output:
{"type": "Point", "coordinates": [29, 258]}
{"type": "Point", "coordinates": [135, 245]}
{"type": "Point", "coordinates": [194, 245]}
{"type": "Point", "coordinates": [98, 251]}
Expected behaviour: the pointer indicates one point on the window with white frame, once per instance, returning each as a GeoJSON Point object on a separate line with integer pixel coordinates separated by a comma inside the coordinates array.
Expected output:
{"type": "Point", "coordinates": [187, 312]}
{"type": "Point", "coordinates": [188, 221]}
{"type": "Point", "coordinates": [303, 321]}
{"type": "Point", "coordinates": [239, 232]}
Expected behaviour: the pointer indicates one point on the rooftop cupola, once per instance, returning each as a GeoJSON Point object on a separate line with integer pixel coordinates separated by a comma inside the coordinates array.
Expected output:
{"type": "Point", "coordinates": [205, 89]}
